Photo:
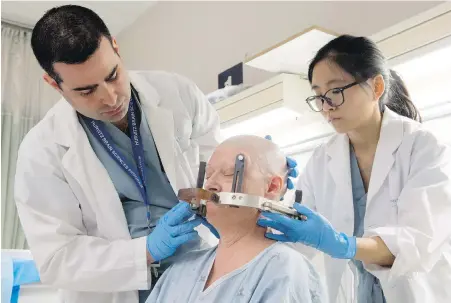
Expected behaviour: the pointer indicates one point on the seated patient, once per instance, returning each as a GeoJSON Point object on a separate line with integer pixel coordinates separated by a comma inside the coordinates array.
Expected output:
{"type": "Point", "coordinates": [245, 266]}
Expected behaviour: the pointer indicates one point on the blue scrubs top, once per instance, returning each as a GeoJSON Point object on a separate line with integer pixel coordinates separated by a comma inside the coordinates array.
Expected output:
{"type": "Point", "coordinates": [369, 289]}
{"type": "Point", "coordinates": [160, 194]}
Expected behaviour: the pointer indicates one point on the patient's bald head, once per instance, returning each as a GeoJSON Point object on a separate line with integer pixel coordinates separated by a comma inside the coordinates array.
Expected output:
{"type": "Point", "coordinates": [265, 173]}
{"type": "Point", "coordinates": [265, 170]}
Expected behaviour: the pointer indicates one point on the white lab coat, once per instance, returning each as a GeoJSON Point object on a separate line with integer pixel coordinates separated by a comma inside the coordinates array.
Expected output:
{"type": "Point", "coordinates": [68, 206]}
{"type": "Point", "coordinates": [408, 206]}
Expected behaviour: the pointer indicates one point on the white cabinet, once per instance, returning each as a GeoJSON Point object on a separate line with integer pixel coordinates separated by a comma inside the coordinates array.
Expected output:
{"type": "Point", "coordinates": [283, 91]}
{"type": "Point", "coordinates": [275, 107]}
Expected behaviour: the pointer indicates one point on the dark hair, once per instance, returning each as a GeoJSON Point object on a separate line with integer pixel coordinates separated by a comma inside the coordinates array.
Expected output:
{"type": "Point", "coordinates": [398, 90]}
{"type": "Point", "coordinates": [361, 58]}
{"type": "Point", "coordinates": [68, 34]}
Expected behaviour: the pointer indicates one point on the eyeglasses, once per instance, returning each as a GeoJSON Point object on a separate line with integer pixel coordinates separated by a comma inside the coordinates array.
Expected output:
{"type": "Point", "coordinates": [334, 97]}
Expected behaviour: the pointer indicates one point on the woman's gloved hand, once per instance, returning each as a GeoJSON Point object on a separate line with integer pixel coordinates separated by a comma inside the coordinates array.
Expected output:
{"type": "Point", "coordinates": [292, 172]}
{"type": "Point", "coordinates": [316, 232]}
{"type": "Point", "coordinates": [172, 230]}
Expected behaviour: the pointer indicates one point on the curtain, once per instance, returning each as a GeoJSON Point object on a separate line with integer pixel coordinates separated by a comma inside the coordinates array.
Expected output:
{"type": "Point", "coordinates": [25, 100]}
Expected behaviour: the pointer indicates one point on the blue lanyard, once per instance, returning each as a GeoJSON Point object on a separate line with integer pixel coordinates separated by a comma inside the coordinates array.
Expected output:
{"type": "Point", "coordinates": [97, 128]}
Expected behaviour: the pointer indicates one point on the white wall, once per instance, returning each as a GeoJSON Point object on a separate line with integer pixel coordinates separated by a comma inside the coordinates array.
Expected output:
{"type": "Point", "coordinates": [117, 14]}
{"type": "Point", "coordinates": [202, 39]}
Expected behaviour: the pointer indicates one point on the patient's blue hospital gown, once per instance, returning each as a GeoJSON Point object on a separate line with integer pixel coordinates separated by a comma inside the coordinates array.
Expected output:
{"type": "Point", "coordinates": [369, 289]}
{"type": "Point", "coordinates": [278, 274]}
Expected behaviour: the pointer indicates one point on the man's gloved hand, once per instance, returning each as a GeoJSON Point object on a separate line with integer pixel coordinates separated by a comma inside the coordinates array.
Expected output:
{"type": "Point", "coordinates": [316, 232]}
{"type": "Point", "coordinates": [292, 170]}
{"type": "Point", "coordinates": [210, 227]}
{"type": "Point", "coordinates": [172, 230]}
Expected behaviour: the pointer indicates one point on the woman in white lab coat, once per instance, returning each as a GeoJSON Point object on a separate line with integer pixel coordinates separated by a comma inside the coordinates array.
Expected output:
{"type": "Point", "coordinates": [377, 196]}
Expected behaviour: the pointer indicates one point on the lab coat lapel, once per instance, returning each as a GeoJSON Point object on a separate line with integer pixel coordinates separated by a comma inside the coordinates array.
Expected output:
{"type": "Point", "coordinates": [161, 124]}
{"type": "Point", "coordinates": [82, 164]}
{"type": "Point", "coordinates": [340, 169]}
{"type": "Point", "coordinates": [391, 136]}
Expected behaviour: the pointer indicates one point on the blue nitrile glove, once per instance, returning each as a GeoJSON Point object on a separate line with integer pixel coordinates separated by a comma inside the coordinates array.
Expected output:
{"type": "Point", "coordinates": [292, 170]}
{"type": "Point", "coordinates": [172, 230]}
{"type": "Point", "coordinates": [25, 272]}
{"type": "Point", "coordinates": [210, 227]}
{"type": "Point", "coordinates": [316, 232]}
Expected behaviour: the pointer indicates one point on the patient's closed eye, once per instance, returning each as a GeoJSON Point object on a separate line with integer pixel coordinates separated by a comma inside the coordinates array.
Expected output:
{"type": "Point", "coordinates": [228, 172]}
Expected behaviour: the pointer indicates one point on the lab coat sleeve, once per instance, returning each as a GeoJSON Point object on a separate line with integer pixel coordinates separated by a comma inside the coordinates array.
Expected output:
{"type": "Point", "coordinates": [423, 231]}
{"type": "Point", "coordinates": [65, 255]}
{"type": "Point", "coordinates": [205, 120]}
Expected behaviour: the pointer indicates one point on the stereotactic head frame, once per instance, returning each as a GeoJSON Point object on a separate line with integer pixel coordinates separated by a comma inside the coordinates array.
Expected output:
{"type": "Point", "coordinates": [198, 197]}
{"type": "Point", "coordinates": [238, 199]}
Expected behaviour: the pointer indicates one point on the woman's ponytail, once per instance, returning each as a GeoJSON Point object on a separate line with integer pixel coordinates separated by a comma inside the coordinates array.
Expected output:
{"type": "Point", "coordinates": [398, 98]}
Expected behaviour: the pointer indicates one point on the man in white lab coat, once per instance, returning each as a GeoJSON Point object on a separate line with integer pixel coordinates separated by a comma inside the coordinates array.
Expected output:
{"type": "Point", "coordinates": [96, 178]}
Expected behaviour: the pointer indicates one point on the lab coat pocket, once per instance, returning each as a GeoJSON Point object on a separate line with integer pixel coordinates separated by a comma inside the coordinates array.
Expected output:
{"type": "Point", "coordinates": [395, 187]}
{"type": "Point", "coordinates": [384, 212]}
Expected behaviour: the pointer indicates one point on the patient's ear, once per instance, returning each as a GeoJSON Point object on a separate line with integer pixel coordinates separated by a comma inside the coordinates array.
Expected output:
{"type": "Point", "coordinates": [275, 188]}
